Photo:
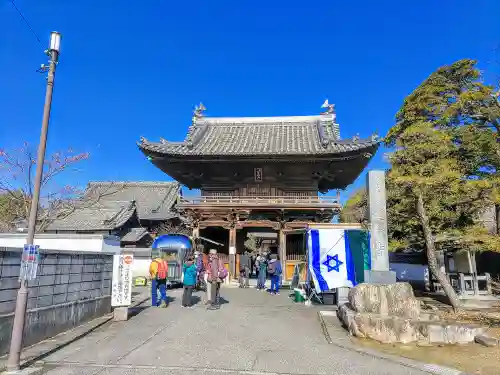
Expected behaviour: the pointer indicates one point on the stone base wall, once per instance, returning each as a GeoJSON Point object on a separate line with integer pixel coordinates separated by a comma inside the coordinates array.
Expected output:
{"type": "Point", "coordinates": [71, 288]}
{"type": "Point", "coordinates": [46, 322]}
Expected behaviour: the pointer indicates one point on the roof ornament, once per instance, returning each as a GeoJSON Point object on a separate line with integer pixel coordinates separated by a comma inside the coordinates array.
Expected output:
{"type": "Point", "coordinates": [375, 137]}
{"type": "Point", "coordinates": [198, 112]}
{"type": "Point", "coordinates": [330, 108]}
{"type": "Point", "coordinates": [143, 140]}
{"type": "Point", "coordinates": [355, 138]}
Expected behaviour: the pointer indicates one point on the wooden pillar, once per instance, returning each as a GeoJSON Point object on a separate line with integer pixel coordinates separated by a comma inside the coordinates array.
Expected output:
{"type": "Point", "coordinates": [282, 250]}
{"type": "Point", "coordinates": [232, 252]}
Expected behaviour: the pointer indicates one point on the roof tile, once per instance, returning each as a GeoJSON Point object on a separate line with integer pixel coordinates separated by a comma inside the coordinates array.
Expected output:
{"type": "Point", "coordinates": [299, 135]}
{"type": "Point", "coordinates": [99, 216]}
{"type": "Point", "coordinates": [107, 205]}
{"type": "Point", "coordinates": [154, 200]}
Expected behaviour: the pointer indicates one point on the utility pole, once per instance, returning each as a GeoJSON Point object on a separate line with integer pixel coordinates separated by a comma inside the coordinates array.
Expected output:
{"type": "Point", "coordinates": [16, 342]}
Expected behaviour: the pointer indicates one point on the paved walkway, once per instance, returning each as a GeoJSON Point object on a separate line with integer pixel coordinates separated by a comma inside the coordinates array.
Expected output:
{"type": "Point", "coordinates": [253, 333]}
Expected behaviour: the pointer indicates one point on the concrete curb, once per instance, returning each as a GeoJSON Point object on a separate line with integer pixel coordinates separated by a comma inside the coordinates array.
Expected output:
{"type": "Point", "coordinates": [426, 367]}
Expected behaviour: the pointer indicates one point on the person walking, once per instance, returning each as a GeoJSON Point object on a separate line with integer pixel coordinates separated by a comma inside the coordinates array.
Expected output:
{"type": "Point", "coordinates": [245, 265]}
{"type": "Point", "coordinates": [216, 274]}
{"type": "Point", "coordinates": [274, 271]}
{"type": "Point", "coordinates": [158, 270]}
{"type": "Point", "coordinates": [262, 266]}
{"type": "Point", "coordinates": [189, 281]}
{"type": "Point", "coordinates": [208, 290]}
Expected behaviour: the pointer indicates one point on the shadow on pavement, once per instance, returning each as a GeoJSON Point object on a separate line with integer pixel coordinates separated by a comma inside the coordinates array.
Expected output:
{"type": "Point", "coordinates": [133, 311]}
{"type": "Point", "coordinates": [195, 300]}
{"type": "Point", "coordinates": [46, 354]}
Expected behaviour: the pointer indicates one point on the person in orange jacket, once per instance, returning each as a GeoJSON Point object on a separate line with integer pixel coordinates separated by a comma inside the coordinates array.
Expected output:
{"type": "Point", "coordinates": [158, 270]}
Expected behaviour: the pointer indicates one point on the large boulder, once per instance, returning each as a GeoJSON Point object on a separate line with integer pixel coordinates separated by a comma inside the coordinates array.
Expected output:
{"type": "Point", "coordinates": [391, 314]}
{"type": "Point", "coordinates": [385, 299]}
{"type": "Point", "coordinates": [381, 328]}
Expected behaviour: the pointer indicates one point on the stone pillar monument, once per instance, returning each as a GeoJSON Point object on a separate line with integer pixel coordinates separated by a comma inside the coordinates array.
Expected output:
{"type": "Point", "coordinates": [379, 247]}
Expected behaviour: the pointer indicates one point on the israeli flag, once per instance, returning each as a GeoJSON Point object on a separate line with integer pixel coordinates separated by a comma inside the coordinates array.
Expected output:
{"type": "Point", "coordinates": [331, 263]}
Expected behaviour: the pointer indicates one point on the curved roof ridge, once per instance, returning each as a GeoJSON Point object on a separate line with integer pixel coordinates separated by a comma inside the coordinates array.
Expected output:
{"type": "Point", "coordinates": [266, 120]}
{"type": "Point", "coordinates": [370, 140]}
{"type": "Point", "coordinates": [131, 183]}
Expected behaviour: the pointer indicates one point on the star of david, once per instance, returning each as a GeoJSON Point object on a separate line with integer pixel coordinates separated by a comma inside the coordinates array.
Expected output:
{"type": "Point", "coordinates": [329, 260]}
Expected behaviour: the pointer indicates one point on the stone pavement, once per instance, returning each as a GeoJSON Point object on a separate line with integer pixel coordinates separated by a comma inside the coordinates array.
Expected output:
{"type": "Point", "coordinates": [252, 333]}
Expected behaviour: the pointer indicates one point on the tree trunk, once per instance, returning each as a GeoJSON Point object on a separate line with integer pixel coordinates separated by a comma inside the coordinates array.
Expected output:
{"type": "Point", "coordinates": [431, 255]}
{"type": "Point", "coordinates": [497, 218]}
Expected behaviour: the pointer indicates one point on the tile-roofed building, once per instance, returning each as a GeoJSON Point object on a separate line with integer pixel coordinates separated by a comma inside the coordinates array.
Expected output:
{"type": "Point", "coordinates": [130, 210]}
{"type": "Point", "coordinates": [261, 172]}
{"type": "Point", "coordinates": [154, 200]}
{"type": "Point", "coordinates": [295, 135]}
{"type": "Point", "coordinates": [289, 138]}
{"type": "Point", "coordinates": [100, 216]}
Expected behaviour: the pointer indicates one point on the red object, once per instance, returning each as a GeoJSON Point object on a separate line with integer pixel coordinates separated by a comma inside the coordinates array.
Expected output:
{"type": "Point", "coordinates": [162, 270]}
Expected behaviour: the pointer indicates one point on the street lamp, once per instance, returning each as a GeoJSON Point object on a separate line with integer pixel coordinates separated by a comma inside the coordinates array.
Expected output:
{"type": "Point", "coordinates": [55, 41]}
{"type": "Point", "coordinates": [16, 342]}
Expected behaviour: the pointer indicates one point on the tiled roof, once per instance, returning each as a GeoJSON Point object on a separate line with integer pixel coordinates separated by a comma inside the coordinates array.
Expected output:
{"type": "Point", "coordinates": [297, 135]}
{"type": "Point", "coordinates": [134, 235]}
{"type": "Point", "coordinates": [154, 200]}
{"type": "Point", "coordinates": [108, 205]}
{"type": "Point", "coordinates": [99, 216]}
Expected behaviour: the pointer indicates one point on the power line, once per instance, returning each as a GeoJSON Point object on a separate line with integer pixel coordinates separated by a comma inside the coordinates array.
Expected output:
{"type": "Point", "coordinates": [25, 21]}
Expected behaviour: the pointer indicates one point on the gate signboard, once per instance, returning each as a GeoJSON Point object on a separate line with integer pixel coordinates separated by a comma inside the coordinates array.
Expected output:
{"type": "Point", "coordinates": [121, 287]}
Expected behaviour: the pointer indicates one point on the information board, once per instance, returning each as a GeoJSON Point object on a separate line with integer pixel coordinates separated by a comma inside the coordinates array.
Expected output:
{"type": "Point", "coordinates": [121, 286]}
{"type": "Point", "coordinates": [29, 262]}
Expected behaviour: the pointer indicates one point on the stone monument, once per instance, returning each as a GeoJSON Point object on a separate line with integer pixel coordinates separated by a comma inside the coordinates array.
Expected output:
{"type": "Point", "coordinates": [377, 217]}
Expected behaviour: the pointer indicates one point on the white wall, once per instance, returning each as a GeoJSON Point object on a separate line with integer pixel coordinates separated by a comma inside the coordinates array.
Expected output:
{"type": "Point", "coordinates": [70, 242]}
{"type": "Point", "coordinates": [140, 266]}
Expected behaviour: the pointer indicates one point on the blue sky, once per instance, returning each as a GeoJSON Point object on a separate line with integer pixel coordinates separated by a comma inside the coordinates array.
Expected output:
{"type": "Point", "coordinates": [132, 68]}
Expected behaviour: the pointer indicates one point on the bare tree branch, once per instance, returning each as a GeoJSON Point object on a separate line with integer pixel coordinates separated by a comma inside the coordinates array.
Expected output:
{"type": "Point", "coordinates": [16, 185]}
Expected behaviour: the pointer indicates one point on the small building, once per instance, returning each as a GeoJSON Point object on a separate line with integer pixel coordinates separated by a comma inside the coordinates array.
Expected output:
{"type": "Point", "coordinates": [260, 174]}
{"type": "Point", "coordinates": [132, 211]}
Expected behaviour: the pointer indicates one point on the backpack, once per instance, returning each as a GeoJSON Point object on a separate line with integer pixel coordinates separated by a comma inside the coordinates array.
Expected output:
{"type": "Point", "coordinates": [279, 269]}
{"type": "Point", "coordinates": [271, 268]}
{"type": "Point", "coordinates": [222, 274]}
{"type": "Point", "coordinates": [161, 272]}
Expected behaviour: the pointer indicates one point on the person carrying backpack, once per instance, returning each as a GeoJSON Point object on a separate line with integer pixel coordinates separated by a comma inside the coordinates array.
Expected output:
{"type": "Point", "coordinates": [274, 270]}
{"type": "Point", "coordinates": [216, 275]}
{"type": "Point", "coordinates": [158, 270]}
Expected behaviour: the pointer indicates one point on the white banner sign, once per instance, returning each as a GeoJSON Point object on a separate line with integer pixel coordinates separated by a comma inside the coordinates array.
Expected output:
{"type": "Point", "coordinates": [121, 292]}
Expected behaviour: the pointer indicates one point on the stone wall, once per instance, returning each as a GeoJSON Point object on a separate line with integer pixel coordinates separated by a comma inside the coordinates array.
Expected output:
{"type": "Point", "coordinates": [70, 289]}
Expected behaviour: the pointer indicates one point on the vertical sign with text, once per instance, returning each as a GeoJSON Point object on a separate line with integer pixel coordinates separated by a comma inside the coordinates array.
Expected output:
{"type": "Point", "coordinates": [379, 247]}
{"type": "Point", "coordinates": [29, 262]}
{"type": "Point", "coordinates": [257, 173]}
{"type": "Point", "coordinates": [121, 286]}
